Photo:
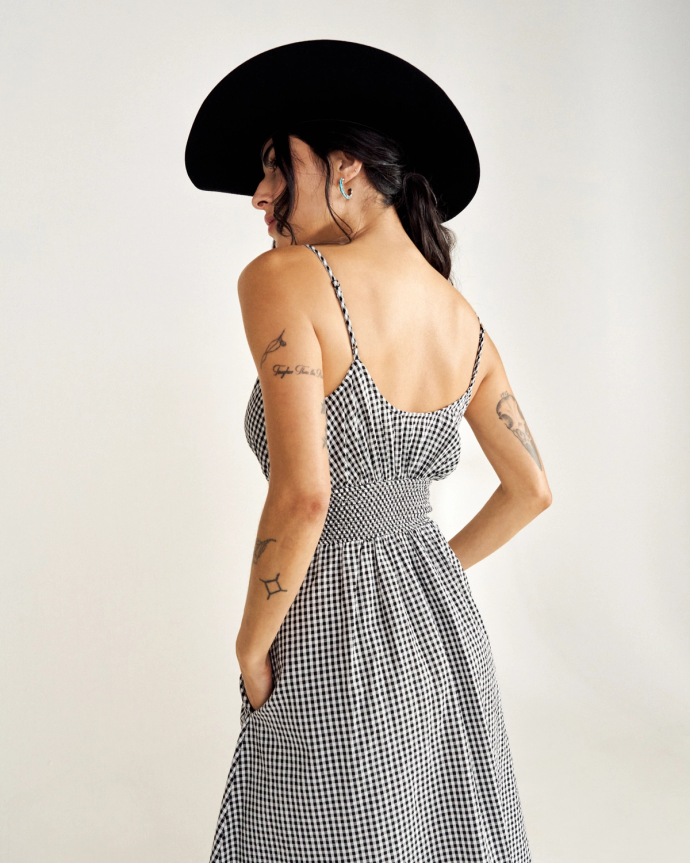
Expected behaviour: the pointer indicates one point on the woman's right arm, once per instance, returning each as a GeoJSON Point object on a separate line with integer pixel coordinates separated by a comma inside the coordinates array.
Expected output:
{"type": "Point", "coordinates": [503, 434]}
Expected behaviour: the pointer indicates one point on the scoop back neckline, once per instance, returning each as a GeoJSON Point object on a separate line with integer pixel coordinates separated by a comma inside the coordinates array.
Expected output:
{"type": "Point", "coordinates": [358, 362]}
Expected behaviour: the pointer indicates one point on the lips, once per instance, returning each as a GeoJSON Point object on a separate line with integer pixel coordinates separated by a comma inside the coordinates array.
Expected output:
{"type": "Point", "coordinates": [270, 221]}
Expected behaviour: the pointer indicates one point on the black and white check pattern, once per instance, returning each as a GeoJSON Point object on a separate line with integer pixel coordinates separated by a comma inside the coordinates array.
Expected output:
{"type": "Point", "coordinates": [383, 739]}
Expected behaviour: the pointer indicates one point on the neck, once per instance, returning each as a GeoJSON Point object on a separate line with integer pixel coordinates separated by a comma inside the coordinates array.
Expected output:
{"type": "Point", "coordinates": [370, 225]}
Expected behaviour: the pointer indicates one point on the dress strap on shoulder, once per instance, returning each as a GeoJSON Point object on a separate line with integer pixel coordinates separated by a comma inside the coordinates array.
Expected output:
{"type": "Point", "coordinates": [339, 295]}
{"type": "Point", "coordinates": [477, 359]}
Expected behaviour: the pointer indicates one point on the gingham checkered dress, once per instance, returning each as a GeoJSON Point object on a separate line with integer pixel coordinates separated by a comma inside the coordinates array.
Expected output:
{"type": "Point", "coordinates": [383, 738]}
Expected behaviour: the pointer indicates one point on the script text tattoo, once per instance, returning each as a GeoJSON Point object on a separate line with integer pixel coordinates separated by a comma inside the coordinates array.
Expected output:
{"type": "Point", "coordinates": [282, 369]}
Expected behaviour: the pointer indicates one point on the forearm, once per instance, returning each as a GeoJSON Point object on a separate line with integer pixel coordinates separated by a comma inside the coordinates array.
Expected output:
{"type": "Point", "coordinates": [499, 520]}
{"type": "Point", "coordinates": [286, 539]}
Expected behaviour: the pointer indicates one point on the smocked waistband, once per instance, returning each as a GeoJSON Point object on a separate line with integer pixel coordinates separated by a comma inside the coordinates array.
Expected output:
{"type": "Point", "coordinates": [367, 510]}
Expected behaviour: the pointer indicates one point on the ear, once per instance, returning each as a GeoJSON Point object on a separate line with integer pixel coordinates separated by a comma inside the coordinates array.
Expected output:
{"type": "Point", "coordinates": [344, 165]}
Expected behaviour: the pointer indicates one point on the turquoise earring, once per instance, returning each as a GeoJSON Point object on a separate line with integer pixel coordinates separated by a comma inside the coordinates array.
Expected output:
{"type": "Point", "coordinates": [342, 190]}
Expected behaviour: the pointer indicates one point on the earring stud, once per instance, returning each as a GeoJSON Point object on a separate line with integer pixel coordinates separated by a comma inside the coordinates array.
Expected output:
{"type": "Point", "coordinates": [342, 190]}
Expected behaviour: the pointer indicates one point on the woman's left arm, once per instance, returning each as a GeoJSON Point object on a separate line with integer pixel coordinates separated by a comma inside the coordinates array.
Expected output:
{"type": "Point", "coordinates": [274, 297]}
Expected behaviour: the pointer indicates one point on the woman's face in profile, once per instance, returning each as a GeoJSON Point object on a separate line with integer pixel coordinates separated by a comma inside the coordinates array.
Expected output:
{"type": "Point", "coordinates": [310, 218]}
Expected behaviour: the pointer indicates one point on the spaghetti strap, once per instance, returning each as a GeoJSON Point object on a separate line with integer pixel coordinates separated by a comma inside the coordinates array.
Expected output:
{"type": "Point", "coordinates": [339, 295]}
{"type": "Point", "coordinates": [477, 358]}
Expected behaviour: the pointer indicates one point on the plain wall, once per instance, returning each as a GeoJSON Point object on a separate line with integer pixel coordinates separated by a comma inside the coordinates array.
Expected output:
{"type": "Point", "coordinates": [130, 500]}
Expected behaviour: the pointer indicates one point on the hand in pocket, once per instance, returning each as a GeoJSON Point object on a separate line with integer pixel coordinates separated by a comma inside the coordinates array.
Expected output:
{"type": "Point", "coordinates": [258, 682]}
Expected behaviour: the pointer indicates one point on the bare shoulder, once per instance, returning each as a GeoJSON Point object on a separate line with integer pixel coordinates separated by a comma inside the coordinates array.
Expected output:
{"type": "Point", "coordinates": [470, 328]}
{"type": "Point", "coordinates": [275, 271]}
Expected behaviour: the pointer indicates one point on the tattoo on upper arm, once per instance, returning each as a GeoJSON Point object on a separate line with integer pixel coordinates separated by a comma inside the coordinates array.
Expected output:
{"type": "Point", "coordinates": [260, 547]}
{"type": "Point", "coordinates": [273, 346]}
{"type": "Point", "coordinates": [283, 369]}
{"type": "Point", "coordinates": [509, 412]}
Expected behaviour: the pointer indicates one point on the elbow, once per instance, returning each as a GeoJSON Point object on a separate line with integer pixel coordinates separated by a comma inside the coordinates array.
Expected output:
{"type": "Point", "coordinates": [541, 499]}
{"type": "Point", "coordinates": [531, 499]}
{"type": "Point", "coordinates": [310, 506]}
{"type": "Point", "coordinates": [315, 507]}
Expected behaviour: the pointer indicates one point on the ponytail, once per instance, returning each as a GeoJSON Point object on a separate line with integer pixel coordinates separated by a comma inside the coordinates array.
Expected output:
{"type": "Point", "coordinates": [418, 211]}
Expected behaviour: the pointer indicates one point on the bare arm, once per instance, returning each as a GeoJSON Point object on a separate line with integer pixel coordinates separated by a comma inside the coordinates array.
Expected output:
{"type": "Point", "coordinates": [287, 355]}
{"type": "Point", "coordinates": [504, 436]}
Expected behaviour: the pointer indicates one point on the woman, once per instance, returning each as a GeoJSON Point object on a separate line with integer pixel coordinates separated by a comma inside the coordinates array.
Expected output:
{"type": "Point", "coordinates": [371, 724]}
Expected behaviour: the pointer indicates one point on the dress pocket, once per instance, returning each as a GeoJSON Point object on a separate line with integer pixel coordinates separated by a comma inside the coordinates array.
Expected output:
{"type": "Point", "coordinates": [247, 709]}
{"type": "Point", "coordinates": [456, 560]}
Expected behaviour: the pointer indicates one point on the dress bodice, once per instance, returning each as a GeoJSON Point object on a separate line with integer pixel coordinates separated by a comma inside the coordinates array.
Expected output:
{"type": "Point", "coordinates": [369, 439]}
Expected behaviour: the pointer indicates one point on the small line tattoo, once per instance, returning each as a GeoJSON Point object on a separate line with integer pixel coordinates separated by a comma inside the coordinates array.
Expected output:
{"type": "Point", "coordinates": [509, 413]}
{"type": "Point", "coordinates": [277, 589]}
{"type": "Point", "coordinates": [273, 346]}
{"type": "Point", "coordinates": [260, 547]}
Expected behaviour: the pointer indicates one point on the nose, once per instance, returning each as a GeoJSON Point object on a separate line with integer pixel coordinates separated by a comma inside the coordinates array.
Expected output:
{"type": "Point", "coordinates": [262, 197]}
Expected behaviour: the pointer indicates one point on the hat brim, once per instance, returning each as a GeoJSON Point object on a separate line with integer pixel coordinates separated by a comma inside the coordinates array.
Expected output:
{"type": "Point", "coordinates": [325, 79]}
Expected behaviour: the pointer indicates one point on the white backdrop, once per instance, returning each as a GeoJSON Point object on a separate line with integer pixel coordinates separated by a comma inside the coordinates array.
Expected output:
{"type": "Point", "coordinates": [130, 499]}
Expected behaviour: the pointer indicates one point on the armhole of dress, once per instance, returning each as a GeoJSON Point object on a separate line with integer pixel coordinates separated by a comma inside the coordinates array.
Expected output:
{"type": "Point", "coordinates": [477, 359]}
{"type": "Point", "coordinates": [341, 300]}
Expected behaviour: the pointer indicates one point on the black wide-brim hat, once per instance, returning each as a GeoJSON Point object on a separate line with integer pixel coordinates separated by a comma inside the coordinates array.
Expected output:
{"type": "Point", "coordinates": [327, 79]}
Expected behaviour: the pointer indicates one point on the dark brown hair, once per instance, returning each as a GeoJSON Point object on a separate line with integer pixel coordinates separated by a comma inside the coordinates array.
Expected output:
{"type": "Point", "coordinates": [384, 164]}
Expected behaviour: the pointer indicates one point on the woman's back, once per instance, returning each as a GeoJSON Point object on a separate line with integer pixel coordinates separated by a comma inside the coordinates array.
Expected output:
{"type": "Point", "coordinates": [417, 335]}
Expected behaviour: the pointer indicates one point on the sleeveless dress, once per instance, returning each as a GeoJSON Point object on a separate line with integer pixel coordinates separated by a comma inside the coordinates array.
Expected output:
{"type": "Point", "coordinates": [383, 738]}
